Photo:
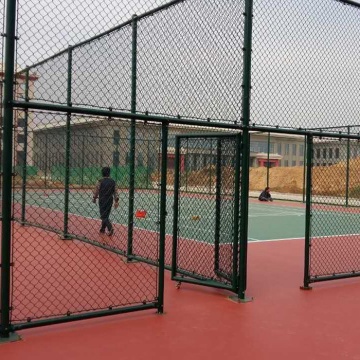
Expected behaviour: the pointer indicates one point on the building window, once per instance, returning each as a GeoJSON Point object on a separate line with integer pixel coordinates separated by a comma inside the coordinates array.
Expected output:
{"type": "Point", "coordinates": [337, 153]}
{"type": "Point", "coordinates": [287, 149]}
{"type": "Point", "coordinates": [116, 158]}
{"type": "Point", "coordinates": [293, 163]}
{"type": "Point", "coordinates": [318, 153]}
{"type": "Point", "coordinates": [140, 160]}
{"type": "Point", "coordinates": [20, 138]}
{"type": "Point", "coordinates": [21, 123]}
{"type": "Point", "coordinates": [196, 161]}
{"type": "Point", "coordinates": [258, 146]}
{"type": "Point", "coordinates": [294, 149]}
{"type": "Point", "coordinates": [272, 148]}
{"type": "Point", "coordinates": [330, 153]}
{"type": "Point", "coordinates": [286, 163]}
{"type": "Point", "coordinates": [116, 137]}
{"type": "Point", "coordinates": [279, 150]}
{"type": "Point", "coordinates": [301, 163]}
{"type": "Point", "coordinates": [301, 150]}
{"type": "Point", "coordinates": [127, 159]}
{"type": "Point", "coordinates": [20, 157]}
{"type": "Point", "coordinates": [324, 153]}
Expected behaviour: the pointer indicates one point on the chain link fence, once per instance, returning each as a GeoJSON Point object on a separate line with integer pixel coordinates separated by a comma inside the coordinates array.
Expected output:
{"type": "Point", "coordinates": [334, 221]}
{"type": "Point", "coordinates": [206, 227]}
{"type": "Point", "coordinates": [53, 191]}
{"type": "Point", "coordinates": [304, 64]}
{"type": "Point", "coordinates": [111, 84]}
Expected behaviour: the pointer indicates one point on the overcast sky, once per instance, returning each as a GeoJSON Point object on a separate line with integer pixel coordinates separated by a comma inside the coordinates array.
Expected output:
{"type": "Point", "coordinates": [306, 70]}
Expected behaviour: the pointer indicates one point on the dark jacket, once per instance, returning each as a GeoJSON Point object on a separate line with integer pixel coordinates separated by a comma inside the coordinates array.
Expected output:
{"type": "Point", "coordinates": [265, 196]}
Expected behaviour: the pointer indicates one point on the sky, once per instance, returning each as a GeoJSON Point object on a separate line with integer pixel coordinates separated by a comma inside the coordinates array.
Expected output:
{"type": "Point", "coordinates": [305, 58]}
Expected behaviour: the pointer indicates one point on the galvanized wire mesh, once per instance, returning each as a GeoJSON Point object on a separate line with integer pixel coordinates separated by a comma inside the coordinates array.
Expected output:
{"type": "Point", "coordinates": [205, 222]}
{"type": "Point", "coordinates": [43, 199]}
{"type": "Point", "coordinates": [54, 278]}
{"type": "Point", "coordinates": [334, 249]}
{"type": "Point", "coordinates": [46, 28]}
{"type": "Point", "coordinates": [186, 60]}
{"type": "Point", "coordinates": [305, 64]}
{"type": "Point", "coordinates": [274, 156]}
{"type": "Point", "coordinates": [197, 76]}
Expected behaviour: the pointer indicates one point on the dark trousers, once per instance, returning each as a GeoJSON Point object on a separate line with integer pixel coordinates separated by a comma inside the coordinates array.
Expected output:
{"type": "Point", "coordinates": [105, 209]}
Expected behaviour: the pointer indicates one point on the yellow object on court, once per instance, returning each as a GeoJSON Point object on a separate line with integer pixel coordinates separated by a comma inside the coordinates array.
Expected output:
{"type": "Point", "coordinates": [195, 217]}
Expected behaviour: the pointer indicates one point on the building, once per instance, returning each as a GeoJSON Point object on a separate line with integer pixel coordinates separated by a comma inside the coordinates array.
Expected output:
{"type": "Point", "coordinates": [96, 142]}
{"type": "Point", "coordinates": [20, 117]}
{"type": "Point", "coordinates": [329, 152]}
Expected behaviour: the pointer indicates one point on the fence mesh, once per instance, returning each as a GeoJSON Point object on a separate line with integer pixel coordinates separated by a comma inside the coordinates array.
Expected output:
{"type": "Point", "coordinates": [304, 64]}
{"type": "Point", "coordinates": [273, 157]}
{"type": "Point", "coordinates": [54, 277]}
{"type": "Point", "coordinates": [335, 208]}
{"type": "Point", "coordinates": [183, 59]}
{"type": "Point", "coordinates": [205, 222]}
{"type": "Point", "coordinates": [188, 75]}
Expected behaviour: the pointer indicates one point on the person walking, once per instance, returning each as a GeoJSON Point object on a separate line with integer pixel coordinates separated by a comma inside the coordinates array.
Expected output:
{"type": "Point", "coordinates": [106, 191]}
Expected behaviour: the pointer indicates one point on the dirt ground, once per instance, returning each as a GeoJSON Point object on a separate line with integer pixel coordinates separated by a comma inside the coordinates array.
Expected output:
{"type": "Point", "coordinates": [326, 180]}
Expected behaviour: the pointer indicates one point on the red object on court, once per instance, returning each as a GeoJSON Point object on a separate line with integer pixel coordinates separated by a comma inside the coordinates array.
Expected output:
{"type": "Point", "coordinates": [140, 214]}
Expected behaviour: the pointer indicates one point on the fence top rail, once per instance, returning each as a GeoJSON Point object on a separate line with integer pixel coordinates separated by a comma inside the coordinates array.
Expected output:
{"type": "Point", "coordinates": [305, 132]}
{"type": "Point", "coordinates": [125, 115]}
{"type": "Point", "coordinates": [207, 135]}
{"type": "Point", "coordinates": [179, 120]}
{"type": "Point", "coordinates": [350, 2]}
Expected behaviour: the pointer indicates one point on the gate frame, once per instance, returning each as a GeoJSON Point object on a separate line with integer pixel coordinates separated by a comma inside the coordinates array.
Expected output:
{"type": "Point", "coordinates": [198, 279]}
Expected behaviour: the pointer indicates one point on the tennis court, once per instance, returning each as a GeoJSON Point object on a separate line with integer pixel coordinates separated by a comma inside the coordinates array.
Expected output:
{"type": "Point", "coordinates": [267, 221]}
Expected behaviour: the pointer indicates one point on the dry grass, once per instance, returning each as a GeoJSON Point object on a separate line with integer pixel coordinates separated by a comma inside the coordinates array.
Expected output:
{"type": "Point", "coordinates": [327, 180]}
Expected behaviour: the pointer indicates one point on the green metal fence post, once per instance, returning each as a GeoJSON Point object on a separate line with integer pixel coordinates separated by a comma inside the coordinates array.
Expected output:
{"type": "Point", "coordinates": [177, 170]}
{"type": "Point", "coordinates": [132, 139]}
{"type": "Point", "coordinates": [217, 205]}
{"type": "Point", "coordinates": [164, 146]}
{"type": "Point", "coordinates": [309, 162]}
{"type": "Point", "coordinates": [348, 154]}
{"type": "Point", "coordinates": [7, 168]}
{"type": "Point", "coordinates": [210, 167]}
{"type": "Point", "coordinates": [186, 160]}
{"type": "Point", "coordinates": [68, 150]}
{"type": "Point", "coordinates": [147, 165]}
{"type": "Point", "coordinates": [237, 182]}
{"type": "Point", "coordinates": [82, 161]}
{"type": "Point", "coordinates": [24, 168]}
{"type": "Point", "coordinates": [268, 161]}
{"type": "Point", "coordinates": [304, 170]}
{"type": "Point", "coordinates": [244, 210]}
{"type": "Point", "coordinates": [46, 160]}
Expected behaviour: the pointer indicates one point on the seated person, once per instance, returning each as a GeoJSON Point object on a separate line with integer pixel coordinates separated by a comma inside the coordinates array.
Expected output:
{"type": "Point", "coordinates": [265, 195]}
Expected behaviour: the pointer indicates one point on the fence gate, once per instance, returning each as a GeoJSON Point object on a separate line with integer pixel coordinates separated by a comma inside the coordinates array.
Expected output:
{"type": "Point", "coordinates": [332, 244]}
{"type": "Point", "coordinates": [206, 209]}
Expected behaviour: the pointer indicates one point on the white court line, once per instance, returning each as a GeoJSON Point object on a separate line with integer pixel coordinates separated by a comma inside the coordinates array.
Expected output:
{"type": "Point", "coordinates": [276, 214]}
{"type": "Point", "coordinates": [253, 240]}
{"type": "Point", "coordinates": [302, 238]}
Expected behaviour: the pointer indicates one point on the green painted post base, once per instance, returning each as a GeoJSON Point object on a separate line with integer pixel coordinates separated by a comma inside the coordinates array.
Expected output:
{"type": "Point", "coordinates": [12, 337]}
{"type": "Point", "coordinates": [65, 237]}
{"type": "Point", "coordinates": [235, 298]}
{"type": "Point", "coordinates": [306, 287]}
{"type": "Point", "coordinates": [131, 260]}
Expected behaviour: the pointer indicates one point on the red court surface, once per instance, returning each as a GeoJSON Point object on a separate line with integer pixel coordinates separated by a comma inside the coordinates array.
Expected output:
{"type": "Point", "coordinates": [282, 322]}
